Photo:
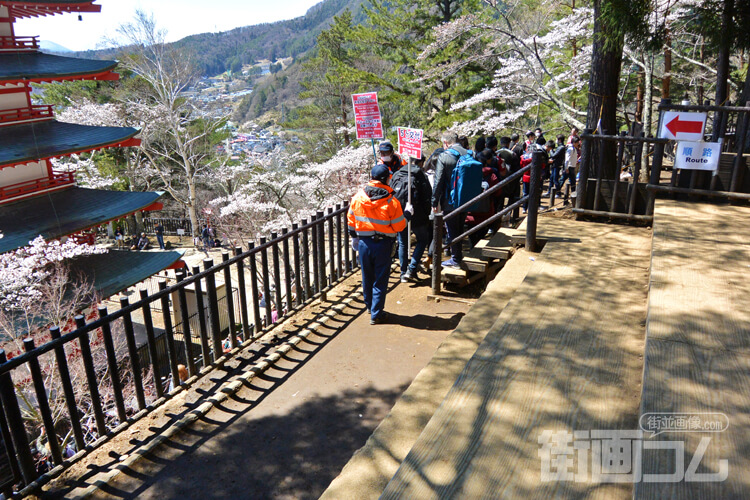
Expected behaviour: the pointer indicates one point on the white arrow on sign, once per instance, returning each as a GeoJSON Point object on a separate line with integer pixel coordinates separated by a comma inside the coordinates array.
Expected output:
{"type": "Point", "coordinates": [682, 126]}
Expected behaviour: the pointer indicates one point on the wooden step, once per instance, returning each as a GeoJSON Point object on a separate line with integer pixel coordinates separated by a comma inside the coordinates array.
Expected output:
{"type": "Point", "coordinates": [498, 246]}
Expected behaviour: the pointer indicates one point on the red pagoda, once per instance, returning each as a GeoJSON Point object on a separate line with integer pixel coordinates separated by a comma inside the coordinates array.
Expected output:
{"type": "Point", "coordinates": [34, 198]}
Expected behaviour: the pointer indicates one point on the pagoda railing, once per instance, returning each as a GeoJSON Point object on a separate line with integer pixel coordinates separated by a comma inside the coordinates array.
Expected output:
{"type": "Point", "coordinates": [25, 188]}
{"type": "Point", "coordinates": [10, 116]}
{"type": "Point", "coordinates": [19, 42]}
{"type": "Point", "coordinates": [94, 375]}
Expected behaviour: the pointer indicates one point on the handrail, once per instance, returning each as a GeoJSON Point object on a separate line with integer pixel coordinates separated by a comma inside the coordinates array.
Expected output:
{"type": "Point", "coordinates": [533, 198]}
{"type": "Point", "coordinates": [19, 42]}
{"type": "Point", "coordinates": [486, 194]}
{"type": "Point", "coordinates": [35, 111]}
{"type": "Point", "coordinates": [27, 187]}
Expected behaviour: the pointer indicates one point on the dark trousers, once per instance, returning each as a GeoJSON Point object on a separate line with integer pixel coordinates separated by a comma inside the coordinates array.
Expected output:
{"type": "Point", "coordinates": [569, 173]}
{"type": "Point", "coordinates": [423, 234]}
{"type": "Point", "coordinates": [375, 259]}
{"type": "Point", "coordinates": [554, 178]}
{"type": "Point", "coordinates": [453, 228]}
{"type": "Point", "coordinates": [160, 239]}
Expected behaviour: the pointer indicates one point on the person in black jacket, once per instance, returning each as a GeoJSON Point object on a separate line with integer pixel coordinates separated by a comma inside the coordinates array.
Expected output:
{"type": "Point", "coordinates": [557, 160]}
{"type": "Point", "coordinates": [421, 196]}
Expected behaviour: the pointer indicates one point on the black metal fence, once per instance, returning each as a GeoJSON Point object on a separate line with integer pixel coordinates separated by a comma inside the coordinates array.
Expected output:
{"type": "Point", "coordinates": [532, 199]}
{"type": "Point", "coordinates": [620, 176]}
{"type": "Point", "coordinates": [121, 384]}
{"type": "Point", "coordinates": [172, 226]}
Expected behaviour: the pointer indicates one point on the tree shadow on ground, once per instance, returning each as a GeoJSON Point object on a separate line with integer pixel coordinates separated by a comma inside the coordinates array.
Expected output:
{"type": "Point", "coordinates": [280, 456]}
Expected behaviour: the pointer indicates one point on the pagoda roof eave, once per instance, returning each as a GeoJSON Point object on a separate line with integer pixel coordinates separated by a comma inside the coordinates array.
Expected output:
{"type": "Point", "coordinates": [20, 144]}
{"type": "Point", "coordinates": [116, 270]}
{"type": "Point", "coordinates": [21, 9]}
{"type": "Point", "coordinates": [60, 213]}
{"type": "Point", "coordinates": [37, 67]}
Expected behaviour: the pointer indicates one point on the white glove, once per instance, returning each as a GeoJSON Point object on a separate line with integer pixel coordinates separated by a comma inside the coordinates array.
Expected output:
{"type": "Point", "coordinates": [409, 208]}
{"type": "Point", "coordinates": [355, 244]}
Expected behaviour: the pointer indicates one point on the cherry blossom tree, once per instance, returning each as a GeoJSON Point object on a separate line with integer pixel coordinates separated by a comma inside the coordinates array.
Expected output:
{"type": "Point", "coordinates": [536, 70]}
{"type": "Point", "coordinates": [277, 194]}
{"type": "Point", "coordinates": [176, 135]}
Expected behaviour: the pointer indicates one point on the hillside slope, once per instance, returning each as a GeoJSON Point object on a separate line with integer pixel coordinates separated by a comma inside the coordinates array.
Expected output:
{"type": "Point", "coordinates": [217, 52]}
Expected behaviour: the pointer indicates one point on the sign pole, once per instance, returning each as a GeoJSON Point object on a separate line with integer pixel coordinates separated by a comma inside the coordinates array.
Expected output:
{"type": "Point", "coordinates": [408, 202]}
{"type": "Point", "coordinates": [374, 154]}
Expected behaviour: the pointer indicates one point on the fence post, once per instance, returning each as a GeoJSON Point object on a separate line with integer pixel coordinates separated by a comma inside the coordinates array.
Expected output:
{"type": "Point", "coordinates": [187, 336]}
{"type": "Point", "coordinates": [331, 250]}
{"type": "Point", "coordinates": [70, 400]}
{"type": "Point", "coordinates": [243, 294]}
{"type": "Point", "coordinates": [298, 282]}
{"type": "Point", "coordinates": [93, 384]}
{"type": "Point", "coordinates": [339, 248]}
{"type": "Point", "coordinates": [740, 135]}
{"type": "Point", "coordinates": [202, 323]}
{"type": "Point", "coordinates": [135, 363]}
{"type": "Point", "coordinates": [213, 310]}
{"type": "Point", "coordinates": [43, 402]}
{"type": "Point", "coordinates": [151, 339]}
{"type": "Point", "coordinates": [258, 326]}
{"type": "Point", "coordinates": [266, 281]}
{"type": "Point", "coordinates": [655, 175]}
{"type": "Point", "coordinates": [230, 300]}
{"type": "Point", "coordinates": [535, 191]}
{"type": "Point", "coordinates": [287, 270]}
{"type": "Point", "coordinates": [437, 251]}
{"type": "Point", "coordinates": [16, 425]}
{"type": "Point", "coordinates": [583, 178]}
{"type": "Point", "coordinates": [168, 334]}
{"type": "Point", "coordinates": [322, 255]}
{"type": "Point", "coordinates": [315, 261]}
{"type": "Point", "coordinates": [306, 261]}
{"type": "Point", "coordinates": [278, 303]}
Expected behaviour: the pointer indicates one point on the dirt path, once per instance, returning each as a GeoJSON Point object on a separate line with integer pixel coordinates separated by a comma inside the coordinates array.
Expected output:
{"type": "Point", "coordinates": [288, 432]}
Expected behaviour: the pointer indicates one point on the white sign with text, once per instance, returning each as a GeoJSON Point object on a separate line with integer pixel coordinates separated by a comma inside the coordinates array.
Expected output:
{"type": "Point", "coordinates": [697, 155]}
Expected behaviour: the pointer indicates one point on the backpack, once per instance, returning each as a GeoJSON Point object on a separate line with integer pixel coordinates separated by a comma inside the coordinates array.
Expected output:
{"type": "Point", "coordinates": [466, 180]}
{"type": "Point", "coordinates": [400, 186]}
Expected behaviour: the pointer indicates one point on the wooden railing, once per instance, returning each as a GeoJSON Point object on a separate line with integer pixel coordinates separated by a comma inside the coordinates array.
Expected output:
{"type": "Point", "coordinates": [19, 42]}
{"type": "Point", "coordinates": [23, 188]}
{"type": "Point", "coordinates": [9, 116]}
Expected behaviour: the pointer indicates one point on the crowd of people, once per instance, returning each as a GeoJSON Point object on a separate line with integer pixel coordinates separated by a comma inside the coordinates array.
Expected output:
{"type": "Point", "coordinates": [402, 191]}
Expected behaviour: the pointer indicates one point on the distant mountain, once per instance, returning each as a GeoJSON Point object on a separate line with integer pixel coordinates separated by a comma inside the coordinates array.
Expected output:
{"type": "Point", "coordinates": [48, 46]}
{"type": "Point", "coordinates": [218, 52]}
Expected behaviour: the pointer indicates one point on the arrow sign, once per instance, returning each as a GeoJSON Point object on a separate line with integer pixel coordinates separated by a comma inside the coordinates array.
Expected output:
{"type": "Point", "coordinates": [683, 126]}
{"type": "Point", "coordinates": [676, 126]}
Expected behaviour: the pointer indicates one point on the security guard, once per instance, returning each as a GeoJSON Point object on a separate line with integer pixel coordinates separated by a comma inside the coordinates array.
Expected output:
{"type": "Point", "coordinates": [375, 218]}
{"type": "Point", "coordinates": [389, 158]}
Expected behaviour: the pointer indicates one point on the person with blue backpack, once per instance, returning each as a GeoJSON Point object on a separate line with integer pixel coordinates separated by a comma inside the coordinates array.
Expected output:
{"type": "Point", "coordinates": [458, 179]}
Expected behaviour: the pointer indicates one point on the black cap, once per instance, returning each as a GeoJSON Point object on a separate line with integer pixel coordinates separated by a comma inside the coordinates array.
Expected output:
{"type": "Point", "coordinates": [380, 173]}
{"type": "Point", "coordinates": [385, 146]}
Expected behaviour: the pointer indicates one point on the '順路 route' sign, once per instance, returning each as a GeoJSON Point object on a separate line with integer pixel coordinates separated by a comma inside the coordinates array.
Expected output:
{"type": "Point", "coordinates": [682, 126]}
{"type": "Point", "coordinates": [410, 142]}
{"type": "Point", "coordinates": [367, 116]}
{"type": "Point", "coordinates": [697, 155]}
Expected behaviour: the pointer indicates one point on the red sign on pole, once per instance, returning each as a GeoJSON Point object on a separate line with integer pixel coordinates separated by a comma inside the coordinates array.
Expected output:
{"type": "Point", "coordinates": [410, 142]}
{"type": "Point", "coordinates": [367, 116]}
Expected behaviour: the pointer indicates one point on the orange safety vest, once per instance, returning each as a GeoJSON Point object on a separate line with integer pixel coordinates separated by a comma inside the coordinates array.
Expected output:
{"type": "Point", "coordinates": [382, 216]}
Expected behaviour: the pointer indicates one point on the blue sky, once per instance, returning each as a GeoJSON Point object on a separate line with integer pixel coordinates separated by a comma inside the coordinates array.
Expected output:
{"type": "Point", "coordinates": [180, 18]}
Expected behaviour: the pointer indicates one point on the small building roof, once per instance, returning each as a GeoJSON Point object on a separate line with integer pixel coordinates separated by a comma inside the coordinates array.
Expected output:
{"type": "Point", "coordinates": [65, 212]}
{"type": "Point", "coordinates": [38, 67]}
{"type": "Point", "coordinates": [117, 270]}
{"type": "Point", "coordinates": [34, 141]}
